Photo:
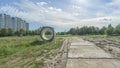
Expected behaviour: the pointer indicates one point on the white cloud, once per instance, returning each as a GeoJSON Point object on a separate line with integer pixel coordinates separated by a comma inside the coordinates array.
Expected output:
{"type": "Point", "coordinates": [38, 13]}
{"type": "Point", "coordinates": [82, 12]}
{"type": "Point", "coordinates": [96, 8]}
{"type": "Point", "coordinates": [41, 3]}
{"type": "Point", "coordinates": [54, 9]}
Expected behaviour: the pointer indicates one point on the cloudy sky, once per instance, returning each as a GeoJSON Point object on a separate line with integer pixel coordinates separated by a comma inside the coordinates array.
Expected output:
{"type": "Point", "coordinates": [64, 14]}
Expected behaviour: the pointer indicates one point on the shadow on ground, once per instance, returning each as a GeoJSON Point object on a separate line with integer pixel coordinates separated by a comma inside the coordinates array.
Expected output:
{"type": "Point", "coordinates": [37, 42]}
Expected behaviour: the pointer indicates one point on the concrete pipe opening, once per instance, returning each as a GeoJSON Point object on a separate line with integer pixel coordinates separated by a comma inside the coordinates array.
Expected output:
{"type": "Point", "coordinates": [47, 33]}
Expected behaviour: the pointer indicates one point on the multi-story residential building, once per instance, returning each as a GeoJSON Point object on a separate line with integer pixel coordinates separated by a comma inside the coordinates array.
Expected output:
{"type": "Point", "coordinates": [27, 26]}
{"type": "Point", "coordinates": [8, 23]}
{"type": "Point", "coordinates": [19, 23]}
{"type": "Point", "coordinates": [2, 20]}
{"type": "Point", "coordinates": [24, 25]}
{"type": "Point", "coordinates": [15, 23]}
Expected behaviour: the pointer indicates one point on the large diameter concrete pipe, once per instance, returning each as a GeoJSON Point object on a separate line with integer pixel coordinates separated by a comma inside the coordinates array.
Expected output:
{"type": "Point", "coordinates": [43, 34]}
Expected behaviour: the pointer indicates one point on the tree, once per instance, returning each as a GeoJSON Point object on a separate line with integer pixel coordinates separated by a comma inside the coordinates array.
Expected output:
{"type": "Point", "coordinates": [37, 32]}
{"type": "Point", "coordinates": [92, 30]}
{"type": "Point", "coordinates": [77, 30]}
{"type": "Point", "coordinates": [103, 30]}
{"type": "Point", "coordinates": [30, 32]}
{"type": "Point", "coordinates": [117, 30]}
{"type": "Point", "coordinates": [83, 30]}
{"type": "Point", "coordinates": [72, 31]}
{"type": "Point", "coordinates": [17, 33]}
{"type": "Point", "coordinates": [10, 32]}
{"type": "Point", "coordinates": [110, 30]}
{"type": "Point", "coordinates": [27, 32]}
{"type": "Point", "coordinates": [22, 32]}
{"type": "Point", "coordinates": [4, 32]}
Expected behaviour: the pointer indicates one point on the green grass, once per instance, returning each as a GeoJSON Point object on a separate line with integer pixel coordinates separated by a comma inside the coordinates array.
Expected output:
{"type": "Point", "coordinates": [66, 35]}
{"type": "Point", "coordinates": [69, 35]}
{"type": "Point", "coordinates": [24, 51]}
{"type": "Point", "coordinates": [84, 36]}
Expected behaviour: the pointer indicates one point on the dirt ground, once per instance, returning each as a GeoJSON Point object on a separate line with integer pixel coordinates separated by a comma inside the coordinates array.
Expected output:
{"type": "Point", "coordinates": [88, 52]}
{"type": "Point", "coordinates": [109, 44]}
{"type": "Point", "coordinates": [84, 54]}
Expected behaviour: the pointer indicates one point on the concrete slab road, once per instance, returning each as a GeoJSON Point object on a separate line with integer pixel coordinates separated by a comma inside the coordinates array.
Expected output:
{"type": "Point", "coordinates": [93, 63]}
{"type": "Point", "coordinates": [84, 54]}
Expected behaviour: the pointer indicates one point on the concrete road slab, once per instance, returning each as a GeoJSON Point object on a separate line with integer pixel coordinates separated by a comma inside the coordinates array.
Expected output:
{"type": "Point", "coordinates": [82, 43]}
{"type": "Point", "coordinates": [87, 52]}
{"type": "Point", "coordinates": [75, 39]}
{"type": "Point", "coordinates": [83, 54]}
{"type": "Point", "coordinates": [93, 63]}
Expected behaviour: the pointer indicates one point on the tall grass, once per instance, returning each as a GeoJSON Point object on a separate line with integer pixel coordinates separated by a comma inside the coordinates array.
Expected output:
{"type": "Point", "coordinates": [24, 52]}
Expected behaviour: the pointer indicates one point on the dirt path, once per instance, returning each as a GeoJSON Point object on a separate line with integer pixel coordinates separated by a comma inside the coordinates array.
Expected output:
{"type": "Point", "coordinates": [83, 54]}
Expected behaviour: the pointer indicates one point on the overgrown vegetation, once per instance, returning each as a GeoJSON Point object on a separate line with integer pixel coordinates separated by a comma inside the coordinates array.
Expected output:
{"type": "Point", "coordinates": [9, 32]}
{"type": "Point", "coordinates": [91, 30]}
{"type": "Point", "coordinates": [24, 52]}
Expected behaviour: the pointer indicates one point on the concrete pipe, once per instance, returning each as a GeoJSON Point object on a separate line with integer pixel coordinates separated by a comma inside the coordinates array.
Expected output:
{"type": "Point", "coordinates": [47, 33]}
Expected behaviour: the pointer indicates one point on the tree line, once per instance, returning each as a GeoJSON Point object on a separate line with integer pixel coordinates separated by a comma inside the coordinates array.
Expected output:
{"type": "Point", "coordinates": [92, 30]}
{"type": "Point", "coordinates": [21, 32]}
{"type": "Point", "coordinates": [85, 30]}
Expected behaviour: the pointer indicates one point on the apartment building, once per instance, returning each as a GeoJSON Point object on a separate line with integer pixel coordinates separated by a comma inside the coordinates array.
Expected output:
{"type": "Point", "coordinates": [15, 23]}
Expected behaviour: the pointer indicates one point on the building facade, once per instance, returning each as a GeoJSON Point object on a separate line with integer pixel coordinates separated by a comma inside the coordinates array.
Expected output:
{"type": "Point", "coordinates": [15, 23]}
{"type": "Point", "coordinates": [8, 23]}
{"type": "Point", "coordinates": [2, 21]}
